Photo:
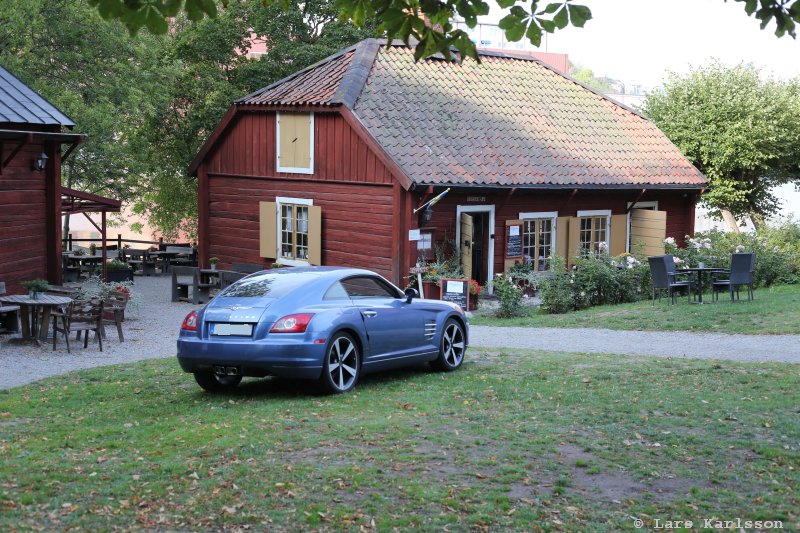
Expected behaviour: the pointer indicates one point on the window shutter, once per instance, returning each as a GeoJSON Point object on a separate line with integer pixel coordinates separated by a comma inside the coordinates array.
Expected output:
{"type": "Point", "coordinates": [619, 234]}
{"type": "Point", "coordinates": [294, 140]}
{"type": "Point", "coordinates": [573, 242]}
{"type": "Point", "coordinates": [315, 235]}
{"type": "Point", "coordinates": [268, 229]}
{"type": "Point", "coordinates": [562, 237]}
{"type": "Point", "coordinates": [648, 231]}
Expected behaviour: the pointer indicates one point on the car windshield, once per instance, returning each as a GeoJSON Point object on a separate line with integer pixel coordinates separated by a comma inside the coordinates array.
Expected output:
{"type": "Point", "coordinates": [266, 285]}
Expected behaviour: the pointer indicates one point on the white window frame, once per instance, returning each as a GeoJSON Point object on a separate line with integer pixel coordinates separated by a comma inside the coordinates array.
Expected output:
{"type": "Point", "coordinates": [637, 205]}
{"type": "Point", "coordinates": [485, 208]}
{"type": "Point", "coordinates": [293, 170]}
{"type": "Point", "coordinates": [287, 200]}
{"type": "Point", "coordinates": [598, 213]}
{"type": "Point", "coordinates": [553, 216]}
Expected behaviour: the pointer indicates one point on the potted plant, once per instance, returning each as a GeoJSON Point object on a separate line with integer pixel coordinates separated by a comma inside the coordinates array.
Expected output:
{"type": "Point", "coordinates": [118, 270]}
{"type": "Point", "coordinates": [79, 252]}
{"type": "Point", "coordinates": [35, 287]}
{"type": "Point", "coordinates": [92, 249]}
{"type": "Point", "coordinates": [474, 292]}
{"type": "Point", "coordinates": [213, 262]}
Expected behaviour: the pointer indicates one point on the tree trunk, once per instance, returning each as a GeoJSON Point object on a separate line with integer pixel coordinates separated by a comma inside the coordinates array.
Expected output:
{"type": "Point", "coordinates": [730, 221]}
{"type": "Point", "coordinates": [758, 221]}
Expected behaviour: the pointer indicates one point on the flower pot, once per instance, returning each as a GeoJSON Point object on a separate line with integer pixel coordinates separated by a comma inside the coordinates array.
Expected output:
{"type": "Point", "coordinates": [213, 266]}
{"type": "Point", "coordinates": [119, 275]}
{"type": "Point", "coordinates": [431, 289]}
{"type": "Point", "coordinates": [473, 302]}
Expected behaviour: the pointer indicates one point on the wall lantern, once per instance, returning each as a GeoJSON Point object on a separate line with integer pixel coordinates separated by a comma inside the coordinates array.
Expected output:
{"type": "Point", "coordinates": [425, 216]}
{"type": "Point", "coordinates": [427, 209]}
{"type": "Point", "coordinates": [40, 162]}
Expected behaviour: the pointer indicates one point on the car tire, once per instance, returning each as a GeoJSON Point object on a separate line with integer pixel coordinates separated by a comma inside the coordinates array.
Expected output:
{"type": "Point", "coordinates": [214, 383]}
{"type": "Point", "coordinates": [452, 347]}
{"type": "Point", "coordinates": [342, 366]}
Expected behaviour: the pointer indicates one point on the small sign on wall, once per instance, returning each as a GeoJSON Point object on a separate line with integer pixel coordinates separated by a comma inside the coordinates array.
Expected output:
{"type": "Point", "coordinates": [414, 235]}
{"type": "Point", "coordinates": [455, 291]}
{"type": "Point", "coordinates": [513, 240]}
{"type": "Point", "coordinates": [476, 198]}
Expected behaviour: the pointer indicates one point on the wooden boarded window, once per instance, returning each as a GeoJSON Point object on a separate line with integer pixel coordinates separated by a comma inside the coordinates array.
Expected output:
{"type": "Point", "coordinates": [648, 231]}
{"type": "Point", "coordinates": [291, 231]}
{"type": "Point", "coordinates": [295, 138]}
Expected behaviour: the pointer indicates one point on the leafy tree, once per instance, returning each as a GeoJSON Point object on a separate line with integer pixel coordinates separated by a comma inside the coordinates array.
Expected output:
{"type": "Point", "coordinates": [96, 73]}
{"type": "Point", "coordinates": [741, 131]}
{"type": "Point", "coordinates": [586, 76]}
{"type": "Point", "coordinates": [406, 19]}
{"type": "Point", "coordinates": [206, 75]}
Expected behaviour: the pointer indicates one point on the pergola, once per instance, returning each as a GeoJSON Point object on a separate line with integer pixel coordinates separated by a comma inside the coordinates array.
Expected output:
{"type": "Point", "coordinates": [74, 202]}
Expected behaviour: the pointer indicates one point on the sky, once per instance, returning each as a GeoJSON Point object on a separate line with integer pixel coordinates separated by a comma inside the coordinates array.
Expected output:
{"type": "Point", "coordinates": [640, 41]}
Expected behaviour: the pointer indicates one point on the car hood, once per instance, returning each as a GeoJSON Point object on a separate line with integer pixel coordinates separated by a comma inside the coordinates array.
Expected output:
{"type": "Point", "coordinates": [237, 309]}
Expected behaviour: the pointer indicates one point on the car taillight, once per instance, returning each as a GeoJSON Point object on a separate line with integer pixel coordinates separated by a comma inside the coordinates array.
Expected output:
{"type": "Point", "coordinates": [190, 322]}
{"type": "Point", "coordinates": [292, 323]}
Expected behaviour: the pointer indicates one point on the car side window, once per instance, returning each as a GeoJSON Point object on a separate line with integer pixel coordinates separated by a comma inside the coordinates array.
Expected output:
{"type": "Point", "coordinates": [336, 292]}
{"type": "Point", "coordinates": [367, 287]}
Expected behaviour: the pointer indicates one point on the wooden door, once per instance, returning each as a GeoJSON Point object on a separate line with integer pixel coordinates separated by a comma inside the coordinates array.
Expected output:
{"type": "Point", "coordinates": [466, 244]}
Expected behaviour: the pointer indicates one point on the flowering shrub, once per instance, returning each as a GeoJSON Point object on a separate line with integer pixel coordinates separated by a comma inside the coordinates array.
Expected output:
{"type": "Point", "coordinates": [509, 294]}
{"type": "Point", "coordinates": [777, 251]}
{"type": "Point", "coordinates": [594, 280]}
{"type": "Point", "coordinates": [474, 287]}
{"type": "Point", "coordinates": [95, 287]}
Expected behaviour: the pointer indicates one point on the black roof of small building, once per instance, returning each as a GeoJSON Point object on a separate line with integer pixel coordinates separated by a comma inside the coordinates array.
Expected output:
{"type": "Point", "coordinates": [19, 104]}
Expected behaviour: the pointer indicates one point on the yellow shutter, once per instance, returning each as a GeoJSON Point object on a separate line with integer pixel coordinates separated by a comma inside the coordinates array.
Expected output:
{"type": "Point", "coordinates": [315, 235]}
{"type": "Point", "coordinates": [573, 241]}
{"type": "Point", "coordinates": [295, 140]}
{"type": "Point", "coordinates": [562, 237]}
{"type": "Point", "coordinates": [619, 234]}
{"type": "Point", "coordinates": [508, 263]}
{"type": "Point", "coordinates": [268, 229]}
{"type": "Point", "coordinates": [648, 231]}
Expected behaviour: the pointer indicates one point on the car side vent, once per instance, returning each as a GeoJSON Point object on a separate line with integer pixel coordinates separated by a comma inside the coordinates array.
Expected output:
{"type": "Point", "coordinates": [430, 329]}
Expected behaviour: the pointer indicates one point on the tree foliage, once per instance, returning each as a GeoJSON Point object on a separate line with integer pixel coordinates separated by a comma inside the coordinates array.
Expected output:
{"type": "Point", "coordinates": [741, 131]}
{"type": "Point", "coordinates": [428, 22]}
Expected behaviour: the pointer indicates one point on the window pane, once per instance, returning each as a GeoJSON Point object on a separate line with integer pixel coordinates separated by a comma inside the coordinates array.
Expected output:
{"type": "Point", "coordinates": [301, 234]}
{"type": "Point", "coordinates": [529, 238]}
{"type": "Point", "coordinates": [336, 292]}
{"type": "Point", "coordinates": [599, 234]}
{"type": "Point", "coordinates": [586, 236]}
{"type": "Point", "coordinates": [545, 243]}
{"type": "Point", "coordinates": [366, 287]}
{"type": "Point", "coordinates": [287, 230]}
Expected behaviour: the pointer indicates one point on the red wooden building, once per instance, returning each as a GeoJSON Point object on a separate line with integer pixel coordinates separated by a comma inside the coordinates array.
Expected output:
{"type": "Point", "coordinates": [326, 167]}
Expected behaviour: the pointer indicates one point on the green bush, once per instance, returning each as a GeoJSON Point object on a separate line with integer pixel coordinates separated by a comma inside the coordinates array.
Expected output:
{"type": "Point", "coordinates": [594, 280]}
{"type": "Point", "coordinates": [509, 294]}
{"type": "Point", "coordinates": [777, 250]}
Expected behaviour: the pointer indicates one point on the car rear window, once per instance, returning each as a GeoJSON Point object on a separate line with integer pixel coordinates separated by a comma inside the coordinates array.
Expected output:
{"type": "Point", "coordinates": [267, 285]}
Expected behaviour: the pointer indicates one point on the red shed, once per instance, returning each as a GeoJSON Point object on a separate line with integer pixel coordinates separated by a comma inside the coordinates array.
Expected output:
{"type": "Point", "coordinates": [31, 139]}
{"type": "Point", "coordinates": [327, 166]}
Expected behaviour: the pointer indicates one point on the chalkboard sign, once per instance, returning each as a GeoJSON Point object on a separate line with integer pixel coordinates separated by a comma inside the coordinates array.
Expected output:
{"type": "Point", "coordinates": [514, 240]}
{"type": "Point", "coordinates": [456, 291]}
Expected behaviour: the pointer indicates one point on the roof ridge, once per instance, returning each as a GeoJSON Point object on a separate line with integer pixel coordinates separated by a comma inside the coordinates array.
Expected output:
{"type": "Point", "coordinates": [357, 73]}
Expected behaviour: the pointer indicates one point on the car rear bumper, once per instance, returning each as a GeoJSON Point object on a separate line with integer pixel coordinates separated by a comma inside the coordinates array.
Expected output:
{"type": "Point", "coordinates": [298, 360]}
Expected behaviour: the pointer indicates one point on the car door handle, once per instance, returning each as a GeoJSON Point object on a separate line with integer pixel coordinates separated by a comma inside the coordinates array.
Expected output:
{"type": "Point", "coordinates": [369, 314]}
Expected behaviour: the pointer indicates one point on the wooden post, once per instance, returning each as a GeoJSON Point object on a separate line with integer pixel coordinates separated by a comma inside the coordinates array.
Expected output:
{"type": "Point", "coordinates": [103, 237]}
{"type": "Point", "coordinates": [119, 243]}
{"type": "Point", "coordinates": [52, 176]}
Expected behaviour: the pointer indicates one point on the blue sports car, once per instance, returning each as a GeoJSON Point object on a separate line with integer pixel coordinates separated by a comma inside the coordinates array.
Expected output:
{"type": "Point", "coordinates": [322, 323]}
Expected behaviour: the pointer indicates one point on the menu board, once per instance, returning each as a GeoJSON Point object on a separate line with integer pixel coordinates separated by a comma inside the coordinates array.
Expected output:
{"type": "Point", "coordinates": [514, 240]}
{"type": "Point", "coordinates": [455, 291]}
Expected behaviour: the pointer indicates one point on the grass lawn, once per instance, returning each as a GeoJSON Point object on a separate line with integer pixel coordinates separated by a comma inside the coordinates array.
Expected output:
{"type": "Point", "coordinates": [512, 441]}
{"type": "Point", "coordinates": [774, 310]}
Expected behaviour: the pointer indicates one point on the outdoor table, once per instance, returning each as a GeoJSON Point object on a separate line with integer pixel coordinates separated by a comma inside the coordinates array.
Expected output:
{"type": "Point", "coordinates": [210, 275]}
{"type": "Point", "coordinates": [34, 328]}
{"type": "Point", "coordinates": [700, 274]}
{"type": "Point", "coordinates": [89, 260]}
{"type": "Point", "coordinates": [164, 257]}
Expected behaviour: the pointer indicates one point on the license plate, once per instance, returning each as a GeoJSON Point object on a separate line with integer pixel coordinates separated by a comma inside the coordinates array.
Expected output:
{"type": "Point", "coordinates": [245, 330]}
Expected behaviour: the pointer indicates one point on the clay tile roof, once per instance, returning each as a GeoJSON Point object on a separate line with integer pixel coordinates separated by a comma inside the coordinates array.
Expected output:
{"type": "Point", "coordinates": [19, 104]}
{"type": "Point", "coordinates": [510, 122]}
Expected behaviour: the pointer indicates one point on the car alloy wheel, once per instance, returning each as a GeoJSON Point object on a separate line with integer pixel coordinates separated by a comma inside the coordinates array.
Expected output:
{"type": "Point", "coordinates": [342, 364]}
{"type": "Point", "coordinates": [451, 353]}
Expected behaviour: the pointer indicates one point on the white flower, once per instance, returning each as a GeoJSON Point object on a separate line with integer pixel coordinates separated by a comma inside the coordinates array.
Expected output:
{"type": "Point", "coordinates": [670, 240]}
{"type": "Point", "coordinates": [739, 248]}
{"type": "Point", "coordinates": [602, 246]}
{"type": "Point", "coordinates": [678, 260]}
{"type": "Point", "coordinates": [583, 293]}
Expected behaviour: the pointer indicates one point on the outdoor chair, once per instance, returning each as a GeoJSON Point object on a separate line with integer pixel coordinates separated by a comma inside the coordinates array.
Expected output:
{"type": "Point", "coordinates": [114, 312]}
{"type": "Point", "coordinates": [664, 279]}
{"type": "Point", "coordinates": [9, 315]}
{"type": "Point", "coordinates": [185, 277]}
{"type": "Point", "coordinates": [141, 261]}
{"type": "Point", "coordinates": [82, 316]}
{"type": "Point", "coordinates": [246, 268]}
{"type": "Point", "coordinates": [741, 273]}
{"type": "Point", "coordinates": [227, 278]}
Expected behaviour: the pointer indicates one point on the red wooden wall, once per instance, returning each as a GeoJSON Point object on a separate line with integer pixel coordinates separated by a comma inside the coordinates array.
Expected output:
{"type": "Point", "coordinates": [24, 235]}
{"type": "Point", "coordinates": [354, 189]}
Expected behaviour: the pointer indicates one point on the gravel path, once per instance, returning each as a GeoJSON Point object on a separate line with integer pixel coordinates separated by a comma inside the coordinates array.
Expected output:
{"type": "Point", "coordinates": [758, 348]}
{"type": "Point", "coordinates": [151, 332]}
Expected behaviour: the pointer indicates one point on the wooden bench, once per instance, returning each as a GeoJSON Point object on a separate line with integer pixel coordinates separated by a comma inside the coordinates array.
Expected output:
{"type": "Point", "coordinates": [185, 277]}
{"type": "Point", "coordinates": [141, 261]}
{"type": "Point", "coordinates": [185, 256]}
{"type": "Point", "coordinates": [247, 268]}
{"type": "Point", "coordinates": [9, 315]}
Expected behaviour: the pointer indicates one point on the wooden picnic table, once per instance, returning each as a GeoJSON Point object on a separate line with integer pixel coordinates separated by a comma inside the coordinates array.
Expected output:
{"type": "Point", "coordinates": [34, 323]}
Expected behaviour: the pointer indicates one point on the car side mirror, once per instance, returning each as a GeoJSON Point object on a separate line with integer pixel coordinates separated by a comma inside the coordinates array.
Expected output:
{"type": "Point", "coordinates": [411, 294]}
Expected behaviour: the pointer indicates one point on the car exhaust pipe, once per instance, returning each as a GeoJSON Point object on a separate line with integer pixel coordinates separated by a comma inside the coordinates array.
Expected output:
{"type": "Point", "coordinates": [226, 370]}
